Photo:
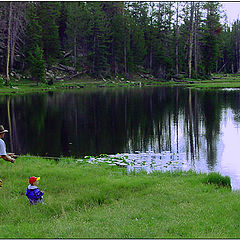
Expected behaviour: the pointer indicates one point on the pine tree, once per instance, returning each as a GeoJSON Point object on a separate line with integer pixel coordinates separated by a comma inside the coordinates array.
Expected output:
{"type": "Point", "coordinates": [37, 67]}
{"type": "Point", "coordinates": [163, 42]}
{"type": "Point", "coordinates": [77, 33]}
{"type": "Point", "coordinates": [118, 42]}
{"type": "Point", "coordinates": [115, 12]}
{"type": "Point", "coordinates": [33, 30]}
{"type": "Point", "coordinates": [48, 13]}
{"type": "Point", "coordinates": [210, 37]}
{"type": "Point", "coordinates": [102, 38]}
{"type": "Point", "coordinates": [62, 23]}
{"type": "Point", "coordinates": [99, 35]}
{"type": "Point", "coordinates": [137, 45]}
{"type": "Point", "coordinates": [138, 27]}
{"type": "Point", "coordinates": [33, 45]}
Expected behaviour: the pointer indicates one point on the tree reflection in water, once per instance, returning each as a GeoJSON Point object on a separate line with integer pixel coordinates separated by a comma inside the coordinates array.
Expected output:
{"type": "Point", "coordinates": [90, 122]}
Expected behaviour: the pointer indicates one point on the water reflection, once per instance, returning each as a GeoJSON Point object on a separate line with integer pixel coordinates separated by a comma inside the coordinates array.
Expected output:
{"type": "Point", "coordinates": [197, 123]}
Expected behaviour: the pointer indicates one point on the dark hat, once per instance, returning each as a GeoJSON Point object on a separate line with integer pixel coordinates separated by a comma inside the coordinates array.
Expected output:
{"type": "Point", "coordinates": [2, 130]}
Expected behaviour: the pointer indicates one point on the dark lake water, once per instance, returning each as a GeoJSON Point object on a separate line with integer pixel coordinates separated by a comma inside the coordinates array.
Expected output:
{"type": "Point", "coordinates": [200, 130]}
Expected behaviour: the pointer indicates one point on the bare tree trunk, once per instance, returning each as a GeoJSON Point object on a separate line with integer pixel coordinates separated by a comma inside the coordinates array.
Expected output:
{"type": "Point", "coordinates": [13, 38]}
{"type": "Point", "coordinates": [177, 42]}
{"type": "Point", "coordinates": [125, 48]}
{"type": "Point", "coordinates": [17, 24]}
{"type": "Point", "coordinates": [8, 43]}
{"type": "Point", "coordinates": [75, 51]}
{"type": "Point", "coordinates": [191, 41]}
{"type": "Point", "coordinates": [124, 42]}
{"type": "Point", "coordinates": [125, 55]}
{"type": "Point", "coordinates": [94, 53]}
{"type": "Point", "coordinates": [196, 39]}
{"type": "Point", "coordinates": [12, 44]}
{"type": "Point", "coordinates": [151, 47]}
{"type": "Point", "coordinates": [151, 58]}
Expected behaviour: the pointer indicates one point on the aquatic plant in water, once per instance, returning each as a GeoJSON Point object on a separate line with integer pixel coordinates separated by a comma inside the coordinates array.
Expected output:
{"type": "Point", "coordinates": [149, 161]}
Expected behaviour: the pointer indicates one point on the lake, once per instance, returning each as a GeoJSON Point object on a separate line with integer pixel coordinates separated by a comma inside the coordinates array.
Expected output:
{"type": "Point", "coordinates": [164, 127]}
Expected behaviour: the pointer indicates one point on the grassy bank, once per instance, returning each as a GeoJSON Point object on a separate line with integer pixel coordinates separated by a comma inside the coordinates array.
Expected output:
{"type": "Point", "coordinates": [218, 81]}
{"type": "Point", "coordinates": [24, 86]}
{"type": "Point", "coordinates": [27, 86]}
{"type": "Point", "coordinates": [93, 201]}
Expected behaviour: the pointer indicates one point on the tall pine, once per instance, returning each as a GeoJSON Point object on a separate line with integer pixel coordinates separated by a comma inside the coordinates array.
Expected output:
{"type": "Point", "coordinates": [48, 13]}
{"type": "Point", "coordinates": [35, 63]}
{"type": "Point", "coordinates": [211, 37]}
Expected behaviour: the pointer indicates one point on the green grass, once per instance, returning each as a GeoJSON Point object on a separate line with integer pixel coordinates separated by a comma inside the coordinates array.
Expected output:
{"type": "Point", "coordinates": [24, 86]}
{"type": "Point", "coordinates": [223, 81]}
{"type": "Point", "coordinates": [218, 179]}
{"type": "Point", "coordinates": [99, 201]}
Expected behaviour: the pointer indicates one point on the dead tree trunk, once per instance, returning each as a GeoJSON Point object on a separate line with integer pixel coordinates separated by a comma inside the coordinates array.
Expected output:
{"type": "Point", "coordinates": [177, 42]}
{"type": "Point", "coordinates": [8, 43]}
{"type": "Point", "coordinates": [196, 51]}
{"type": "Point", "coordinates": [75, 51]}
{"type": "Point", "coordinates": [151, 41]}
{"type": "Point", "coordinates": [191, 41]}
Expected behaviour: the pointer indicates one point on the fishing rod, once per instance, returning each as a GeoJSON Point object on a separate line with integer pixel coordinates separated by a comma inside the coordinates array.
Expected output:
{"type": "Point", "coordinates": [44, 157]}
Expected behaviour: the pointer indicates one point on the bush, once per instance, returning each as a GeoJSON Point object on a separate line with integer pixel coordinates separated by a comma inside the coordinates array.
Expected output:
{"type": "Point", "coordinates": [218, 179]}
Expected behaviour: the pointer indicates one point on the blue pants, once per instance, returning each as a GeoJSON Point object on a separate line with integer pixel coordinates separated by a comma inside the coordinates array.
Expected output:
{"type": "Point", "coordinates": [35, 201]}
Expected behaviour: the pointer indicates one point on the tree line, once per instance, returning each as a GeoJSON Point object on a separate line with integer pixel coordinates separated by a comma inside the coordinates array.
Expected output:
{"type": "Point", "coordinates": [165, 39]}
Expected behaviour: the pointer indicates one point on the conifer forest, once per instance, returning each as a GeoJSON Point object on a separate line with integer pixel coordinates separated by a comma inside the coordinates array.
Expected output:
{"type": "Point", "coordinates": [101, 39]}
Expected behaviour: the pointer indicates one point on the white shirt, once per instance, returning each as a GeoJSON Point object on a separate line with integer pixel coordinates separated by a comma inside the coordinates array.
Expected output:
{"type": "Point", "coordinates": [32, 187]}
{"type": "Point", "coordinates": [2, 148]}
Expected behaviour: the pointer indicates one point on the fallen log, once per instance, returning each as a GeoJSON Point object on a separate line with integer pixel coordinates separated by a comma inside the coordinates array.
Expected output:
{"type": "Point", "coordinates": [58, 68]}
{"type": "Point", "coordinates": [67, 68]}
{"type": "Point", "coordinates": [64, 68]}
{"type": "Point", "coordinates": [67, 54]}
{"type": "Point", "coordinates": [66, 78]}
{"type": "Point", "coordinates": [73, 76]}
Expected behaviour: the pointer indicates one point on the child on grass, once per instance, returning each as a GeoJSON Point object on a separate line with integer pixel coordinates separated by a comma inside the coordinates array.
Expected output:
{"type": "Point", "coordinates": [33, 193]}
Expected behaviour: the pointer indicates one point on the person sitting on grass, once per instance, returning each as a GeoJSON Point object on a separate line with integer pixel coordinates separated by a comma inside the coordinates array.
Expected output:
{"type": "Point", "coordinates": [33, 193]}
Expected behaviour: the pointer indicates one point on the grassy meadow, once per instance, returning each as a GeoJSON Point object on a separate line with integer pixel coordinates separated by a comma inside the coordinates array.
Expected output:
{"type": "Point", "coordinates": [100, 201]}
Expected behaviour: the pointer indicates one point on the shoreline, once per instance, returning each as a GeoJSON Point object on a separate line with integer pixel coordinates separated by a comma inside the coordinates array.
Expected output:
{"type": "Point", "coordinates": [219, 81]}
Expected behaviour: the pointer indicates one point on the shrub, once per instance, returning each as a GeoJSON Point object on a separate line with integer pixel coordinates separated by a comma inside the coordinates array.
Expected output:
{"type": "Point", "coordinates": [218, 179]}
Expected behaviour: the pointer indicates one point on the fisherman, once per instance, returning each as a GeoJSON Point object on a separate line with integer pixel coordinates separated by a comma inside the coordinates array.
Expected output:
{"type": "Point", "coordinates": [10, 157]}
